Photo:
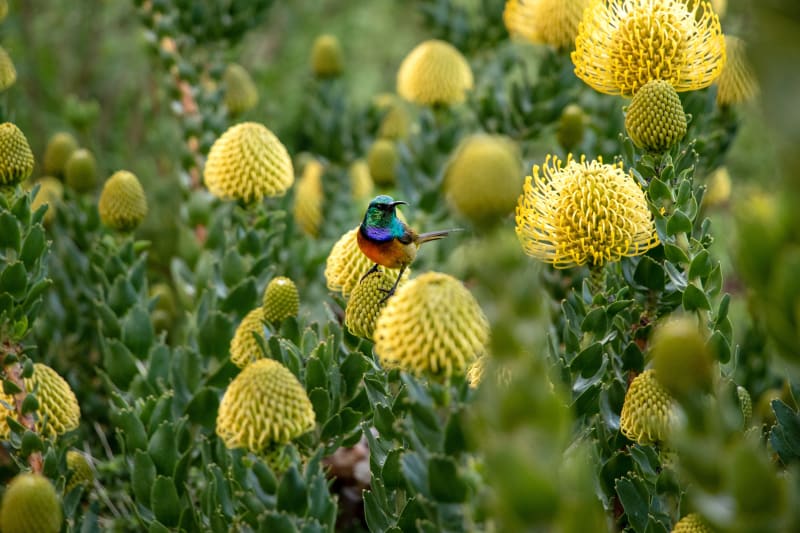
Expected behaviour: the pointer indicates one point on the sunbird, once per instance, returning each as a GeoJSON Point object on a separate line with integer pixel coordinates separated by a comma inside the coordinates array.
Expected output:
{"type": "Point", "coordinates": [388, 241]}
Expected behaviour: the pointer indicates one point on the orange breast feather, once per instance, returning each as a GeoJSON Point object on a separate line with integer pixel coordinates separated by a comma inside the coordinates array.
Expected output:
{"type": "Point", "coordinates": [391, 254]}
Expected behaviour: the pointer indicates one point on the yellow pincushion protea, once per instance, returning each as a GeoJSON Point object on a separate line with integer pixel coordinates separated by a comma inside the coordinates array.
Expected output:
{"type": "Point", "coordinates": [58, 408]}
{"type": "Point", "coordinates": [431, 325]}
{"type": "Point", "coordinates": [577, 213]}
{"type": "Point", "coordinates": [623, 44]}
{"type": "Point", "coordinates": [435, 72]}
{"type": "Point", "coordinates": [80, 471]}
{"type": "Point", "coordinates": [382, 161]}
{"type": "Point", "coordinates": [241, 94]}
{"type": "Point", "coordinates": [281, 299]}
{"type": "Point", "coordinates": [647, 411]}
{"type": "Point", "coordinates": [327, 58]}
{"type": "Point", "coordinates": [347, 264]}
{"type": "Point", "coordinates": [122, 204]}
{"type": "Point", "coordinates": [8, 74]}
{"type": "Point", "coordinates": [737, 83]}
{"type": "Point", "coordinates": [58, 151]}
{"type": "Point", "coordinates": [51, 191]}
{"type": "Point", "coordinates": [361, 185]}
{"type": "Point", "coordinates": [16, 158]}
{"type": "Point", "coordinates": [263, 406]}
{"type": "Point", "coordinates": [482, 181]}
{"type": "Point", "coordinates": [366, 303]}
{"type": "Point", "coordinates": [308, 198]}
{"type": "Point", "coordinates": [692, 523]}
{"type": "Point", "coordinates": [248, 162]}
{"type": "Point", "coordinates": [244, 347]}
{"type": "Point", "coordinates": [30, 505]}
{"type": "Point", "coordinates": [655, 119]}
{"type": "Point", "coordinates": [553, 22]}
{"type": "Point", "coordinates": [396, 121]}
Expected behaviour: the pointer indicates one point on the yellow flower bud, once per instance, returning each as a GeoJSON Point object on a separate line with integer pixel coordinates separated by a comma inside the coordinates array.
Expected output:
{"type": "Point", "coordinates": [30, 505]}
{"type": "Point", "coordinates": [80, 173]}
{"type": "Point", "coordinates": [241, 94]}
{"type": "Point", "coordinates": [571, 126]}
{"type": "Point", "coordinates": [244, 347]}
{"type": "Point", "coordinates": [280, 299]}
{"type": "Point", "coordinates": [308, 198]}
{"type": "Point", "coordinates": [366, 303]}
{"type": "Point", "coordinates": [682, 362]}
{"type": "Point", "coordinates": [435, 72]}
{"type": "Point", "coordinates": [80, 471]}
{"type": "Point", "coordinates": [347, 264]}
{"type": "Point", "coordinates": [382, 160]}
{"type": "Point", "coordinates": [361, 185]}
{"type": "Point", "coordinates": [8, 74]}
{"type": "Point", "coordinates": [51, 192]}
{"type": "Point", "coordinates": [647, 411]}
{"type": "Point", "coordinates": [327, 58]}
{"type": "Point", "coordinates": [16, 158]}
{"type": "Point", "coordinates": [692, 523]}
{"type": "Point", "coordinates": [655, 119]}
{"type": "Point", "coordinates": [122, 204]}
{"type": "Point", "coordinates": [58, 151]}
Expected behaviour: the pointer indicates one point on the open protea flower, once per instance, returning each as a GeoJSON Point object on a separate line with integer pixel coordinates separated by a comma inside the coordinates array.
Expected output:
{"type": "Point", "coordinates": [553, 22]}
{"type": "Point", "coordinates": [623, 44]}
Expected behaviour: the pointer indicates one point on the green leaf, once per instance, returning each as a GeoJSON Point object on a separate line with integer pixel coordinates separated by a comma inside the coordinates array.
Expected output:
{"type": "Point", "coordinates": [243, 296]}
{"type": "Point", "coordinates": [332, 428]}
{"type": "Point", "coordinates": [660, 193]}
{"type": "Point", "coordinates": [374, 514]}
{"type": "Point", "coordinates": [266, 479]}
{"type": "Point", "coordinates": [273, 522]}
{"type": "Point", "coordinates": [202, 409]}
{"type": "Point", "coordinates": [14, 280]}
{"type": "Point", "coordinates": [635, 500]}
{"type": "Point", "coordinates": [143, 474]}
{"type": "Point", "coordinates": [675, 254]}
{"type": "Point", "coordinates": [137, 332]}
{"type": "Point", "coordinates": [292, 494]}
{"type": "Point", "coordinates": [119, 363]}
{"type": "Point", "coordinates": [649, 274]}
{"type": "Point", "coordinates": [9, 232]}
{"type": "Point", "coordinates": [446, 485]}
{"type": "Point", "coordinates": [785, 435]}
{"type": "Point", "coordinates": [720, 345]}
{"type": "Point", "coordinates": [163, 448]}
{"type": "Point", "coordinates": [701, 265]}
{"type": "Point", "coordinates": [316, 376]}
{"type": "Point", "coordinates": [352, 369]}
{"type": "Point", "coordinates": [416, 473]}
{"type": "Point", "coordinates": [214, 335]}
{"type": "Point", "coordinates": [121, 296]}
{"type": "Point", "coordinates": [31, 442]}
{"type": "Point", "coordinates": [694, 298]}
{"type": "Point", "coordinates": [322, 404]}
{"type": "Point", "coordinates": [588, 361]}
{"type": "Point", "coordinates": [595, 322]}
{"type": "Point", "coordinates": [33, 247]}
{"type": "Point", "coordinates": [165, 502]}
{"type": "Point", "coordinates": [455, 437]}
{"type": "Point", "coordinates": [679, 223]}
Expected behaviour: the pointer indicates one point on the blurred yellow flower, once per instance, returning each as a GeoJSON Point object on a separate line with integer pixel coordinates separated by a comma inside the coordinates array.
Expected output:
{"type": "Point", "coordinates": [241, 94]}
{"type": "Point", "coordinates": [737, 83]}
{"type": "Point", "coordinates": [308, 198]}
{"type": "Point", "coordinates": [553, 22]}
{"type": "Point", "coordinates": [51, 192]}
{"type": "Point", "coordinates": [8, 74]}
{"type": "Point", "coordinates": [327, 58]}
{"type": "Point", "coordinates": [431, 325]}
{"type": "Point", "coordinates": [435, 72]}
{"type": "Point", "coordinates": [30, 505]}
{"type": "Point", "coordinates": [244, 347]}
{"type": "Point", "coordinates": [577, 213]}
{"type": "Point", "coordinates": [623, 44]}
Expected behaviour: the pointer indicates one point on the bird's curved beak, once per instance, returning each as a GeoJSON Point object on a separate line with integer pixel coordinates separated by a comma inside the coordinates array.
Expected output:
{"type": "Point", "coordinates": [398, 202]}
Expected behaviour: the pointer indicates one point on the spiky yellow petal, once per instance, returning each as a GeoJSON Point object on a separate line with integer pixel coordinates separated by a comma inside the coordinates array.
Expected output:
{"type": "Point", "coordinates": [308, 198]}
{"type": "Point", "coordinates": [244, 347]}
{"type": "Point", "coordinates": [122, 204]}
{"type": "Point", "coordinates": [16, 158]}
{"type": "Point", "coordinates": [263, 406]}
{"type": "Point", "coordinates": [737, 83]}
{"type": "Point", "coordinates": [655, 119]}
{"type": "Point", "coordinates": [347, 264]}
{"type": "Point", "coordinates": [30, 505]}
{"type": "Point", "coordinates": [553, 22]}
{"type": "Point", "coordinates": [281, 299]}
{"type": "Point", "coordinates": [483, 180]}
{"type": "Point", "coordinates": [623, 44]}
{"type": "Point", "coordinates": [435, 72]}
{"type": "Point", "coordinates": [248, 162]}
{"type": "Point", "coordinates": [647, 411]}
{"type": "Point", "coordinates": [431, 325]}
{"type": "Point", "coordinates": [577, 213]}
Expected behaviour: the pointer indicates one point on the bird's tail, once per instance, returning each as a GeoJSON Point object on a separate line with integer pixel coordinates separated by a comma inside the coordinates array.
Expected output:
{"type": "Point", "coordinates": [435, 235]}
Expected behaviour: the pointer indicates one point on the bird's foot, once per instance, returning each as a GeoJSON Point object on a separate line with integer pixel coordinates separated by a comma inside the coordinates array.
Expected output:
{"type": "Point", "coordinates": [387, 292]}
{"type": "Point", "coordinates": [374, 268]}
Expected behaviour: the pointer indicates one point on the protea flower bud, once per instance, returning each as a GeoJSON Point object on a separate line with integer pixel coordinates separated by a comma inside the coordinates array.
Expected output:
{"type": "Point", "coordinates": [30, 505]}
{"type": "Point", "coordinates": [434, 72]}
{"type": "Point", "coordinates": [396, 121]}
{"type": "Point", "coordinates": [382, 160]}
{"type": "Point", "coordinates": [244, 347]}
{"type": "Point", "coordinates": [366, 302]}
{"type": "Point", "coordinates": [8, 74]}
{"type": "Point", "coordinates": [361, 184]}
{"type": "Point", "coordinates": [241, 94]}
{"type": "Point", "coordinates": [80, 471]}
{"type": "Point", "coordinates": [571, 126]}
{"type": "Point", "coordinates": [80, 173]}
{"type": "Point", "coordinates": [16, 158]}
{"type": "Point", "coordinates": [58, 151]}
{"type": "Point", "coordinates": [51, 192]}
{"type": "Point", "coordinates": [263, 406]}
{"type": "Point", "coordinates": [308, 198]}
{"type": "Point", "coordinates": [681, 359]}
{"type": "Point", "coordinates": [248, 162]}
{"type": "Point", "coordinates": [122, 204]}
{"type": "Point", "coordinates": [280, 299]}
{"type": "Point", "coordinates": [432, 325]}
{"type": "Point", "coordinates": [327, 59]}
{"type": "Point", "coordinates": [647, 411]}
{"type": "Point", "coordinates": [655, 119]}
{"type": "Point", "coordinates": [692, 523]}
{"type": "Point", "coordinates": [3, 10]}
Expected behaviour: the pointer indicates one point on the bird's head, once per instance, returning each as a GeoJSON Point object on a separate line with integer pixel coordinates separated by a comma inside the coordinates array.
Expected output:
{"type": "Point", "coordinates": [381, 212]}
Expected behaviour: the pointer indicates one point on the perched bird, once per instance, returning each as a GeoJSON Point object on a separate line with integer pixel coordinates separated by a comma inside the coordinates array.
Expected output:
{"type": "Point", "coordinates": [388, 241]}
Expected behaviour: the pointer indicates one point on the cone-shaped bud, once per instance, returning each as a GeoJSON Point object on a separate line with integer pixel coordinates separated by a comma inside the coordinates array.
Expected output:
{"type": "Point", "coordinates": [681, 359]}
{"type": "Point", "coordinates": [692, 523]}
{"type": "Point", "coordinates": [244, 347]}
{"type": "Point", "coordinates": [571, 127]}
{"type": "Point", "coordinates": [484, 178]}
{"type": "Point", "coordinates": [434, 73]}
{"type": "Point", "coordinates": [281, 299]}
{"type": "Point", "coordinates": [263, 406]}
{"type": "Point", "coordinates": [396, 120]}
{"type": "Point", "coordinates": [347, 264]}
{"type": "Point", "coordinates": [327, 59]}
{"type": "Point", "coordinates": [80, 471]}
{"type": "Point", "coordinates": [308, 198]}
{"type": "Point", "coordinates": [51, 192]}
{"type": "Point", "coordinates": [58, 151]}
{"type": "Point", "coordinates": [16, 158]}
{"type": "Point", "coordinates": [122, 204]}
{"type": "Point", "coordinates": [241, 94]}
{"type": "Point", "coordinates": [248, 162]}
{"type": "Point", "coordinates": [382, 160]}
{"type": "Point", "coordinates": [30, 505]}
{"type": "Point", "coordinates": [647, 411]}
{"type": "Point", "coordinates": [80, 173]}
{"type": "Point", "coordinates": [431, 325]}
{"type": "Point", "coordinates": [655, 119]}
{"type": "Point", "coordinates": [366, 303]}
{"type": "Point", "coordinates": [361, 185]}
{"type": "Point", "coordinates": [8, 74]}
